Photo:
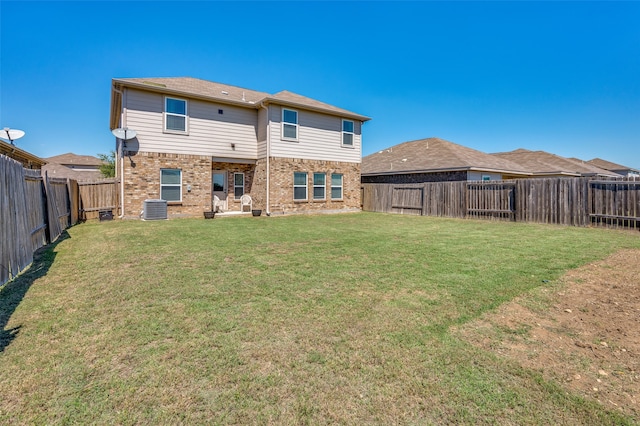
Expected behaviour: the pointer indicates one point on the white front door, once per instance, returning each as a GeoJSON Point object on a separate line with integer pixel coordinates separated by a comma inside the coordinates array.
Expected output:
{"type": "Point", "coordinates": [219, 180]}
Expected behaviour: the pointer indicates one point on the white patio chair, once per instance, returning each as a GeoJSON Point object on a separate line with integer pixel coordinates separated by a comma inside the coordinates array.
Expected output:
{"type": "Point", "coordinates": [215, 204]}
{"type": "Point", "coordinates": [245, 200]}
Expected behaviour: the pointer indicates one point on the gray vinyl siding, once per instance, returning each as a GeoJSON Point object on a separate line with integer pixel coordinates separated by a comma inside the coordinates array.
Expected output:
{"type": "Point", "coordinates": [319, 137]}
{"type": "Point", "coordinates": [262, 133]}
{"type": "Point", "coordinates": [209, 133]}
{"type": "Point", "coordinates": [478, 175]}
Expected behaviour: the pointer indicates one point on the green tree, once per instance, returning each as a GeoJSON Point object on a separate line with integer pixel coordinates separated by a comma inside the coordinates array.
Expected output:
{"type": "Point", "coordinates": [108, 167]}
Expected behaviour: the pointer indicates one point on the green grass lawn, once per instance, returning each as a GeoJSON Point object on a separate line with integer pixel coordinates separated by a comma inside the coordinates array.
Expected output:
{"type": "Point", "coordinates": [337, 319]}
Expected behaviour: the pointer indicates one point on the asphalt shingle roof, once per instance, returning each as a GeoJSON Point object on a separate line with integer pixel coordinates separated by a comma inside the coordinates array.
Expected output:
{"type": "Point", "coordinates": [545, 163]}
{"type": "Point", "coordinates": [608, 165]}
{"type": "Point", "coordinates": [431, 155]}
{"type": "Point", "coordinates": [203, 89]}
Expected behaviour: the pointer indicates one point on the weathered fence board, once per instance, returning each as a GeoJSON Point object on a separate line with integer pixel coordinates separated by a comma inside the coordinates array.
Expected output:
{"type": "Point", "coordinates": [491, 200]}
{"type": "Point", "coordinates": [562, 201]}
{"type": "Point", "coordinates": [96, 196]}
{"type": "Point", "coordinates": [34, 211]}
{"type": "Point", "coordinates": [407, 200]}
{"type": "Point", "coordinates": [615, 203]}
{"type": "Point", "coordinates": [15, 243]}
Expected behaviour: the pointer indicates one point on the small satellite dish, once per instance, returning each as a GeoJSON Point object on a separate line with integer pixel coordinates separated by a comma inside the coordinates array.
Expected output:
{"type": "Point", "coordinates": [11, 134]}
{"type": "Point", "coordinates": [124, 133]}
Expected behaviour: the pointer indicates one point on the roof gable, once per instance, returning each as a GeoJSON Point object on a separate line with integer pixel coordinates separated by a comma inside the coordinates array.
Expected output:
{"type": "Point", "coordinates": [225, 93]}
{"type": "Point", "coordinates": [541, 162]}
{"type": "Point", "coordinates": [294, 99]}
{"type": "Point", "coordinates": [433, 154]}
{"type": "Point", "coordinates": [74, 159]}
{"type": "Point", "coordinates": [608, 165]}
{"type": "Point", "coordinates": [189, 86]}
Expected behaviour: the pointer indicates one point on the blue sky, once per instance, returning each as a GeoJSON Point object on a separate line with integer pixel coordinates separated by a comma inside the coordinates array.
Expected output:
{"type": "Point", "coordinates": [562, 77]}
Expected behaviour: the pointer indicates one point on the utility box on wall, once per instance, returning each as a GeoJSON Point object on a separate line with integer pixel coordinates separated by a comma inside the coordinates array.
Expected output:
{"type": "Point", "coordinates": [105, 215]}
{"type": "Point", "coordinates": [154, 210]}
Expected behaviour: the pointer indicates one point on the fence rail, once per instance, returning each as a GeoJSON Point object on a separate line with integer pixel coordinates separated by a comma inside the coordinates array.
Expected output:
{"type": "Point", "coordinates": [563, 201]}
{"type": "Point", "coordinates": [35, 210]}
{"type": "Point", "coordinates": [96, 196]}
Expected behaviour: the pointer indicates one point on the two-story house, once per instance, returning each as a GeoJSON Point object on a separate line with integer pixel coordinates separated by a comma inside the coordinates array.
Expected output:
{"type": "Point", "coordinates": [196, 140]}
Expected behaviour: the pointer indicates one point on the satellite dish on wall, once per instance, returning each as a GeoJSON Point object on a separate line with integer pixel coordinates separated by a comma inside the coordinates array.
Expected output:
{"type": "Point", "coordinates": [11, 134]}
{"type": "Point", "coordinates": [124, 133]}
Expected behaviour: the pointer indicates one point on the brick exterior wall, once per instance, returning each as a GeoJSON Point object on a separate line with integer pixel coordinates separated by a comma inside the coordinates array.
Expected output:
{"type": "Point", "coordinates": [417, 177]}
{"type": "Point", "coordinates": [281, 183]}
{"type": "Point", "coordinates": [249, 171]}
{"type": "Point", "coordinates": [142, 182]}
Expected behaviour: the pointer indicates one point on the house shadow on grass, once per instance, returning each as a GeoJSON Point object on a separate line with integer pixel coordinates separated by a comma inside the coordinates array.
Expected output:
{"type": "Point", "coordinates": [12, 293]}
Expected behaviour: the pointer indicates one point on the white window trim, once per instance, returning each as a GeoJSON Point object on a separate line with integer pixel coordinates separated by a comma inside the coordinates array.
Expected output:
{"type": "Point", "coordinates": [185, 115]}
{"type": "Point", "coordinates": [306, 187]}
{"type": "Point", "coordinates": [171, 185]}
{"type": "Point", "coordinates": [353, 134]}
{"type": "Point", "coordinates": [341, 186]}
{"type": "Point", "coordinates": [283, 123]}
{"type": "Point", "coordinates": [323, 186]}
{"type": "Point", "coordinates": [236, 186]}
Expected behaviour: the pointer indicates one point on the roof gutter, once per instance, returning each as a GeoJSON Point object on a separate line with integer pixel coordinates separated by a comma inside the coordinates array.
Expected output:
{"type": "Point", "coordinates": [445, 169]}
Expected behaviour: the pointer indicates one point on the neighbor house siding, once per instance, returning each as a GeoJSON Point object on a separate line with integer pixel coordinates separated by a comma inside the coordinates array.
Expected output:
{"type": "Point", "coordinates": [417, 177]}
{"type": "Point", "coordinates": [209, 133]}
{"type": "Point", "coordinates": [479, 175]}
{"type": "Point", "coordinates": [319, 137]}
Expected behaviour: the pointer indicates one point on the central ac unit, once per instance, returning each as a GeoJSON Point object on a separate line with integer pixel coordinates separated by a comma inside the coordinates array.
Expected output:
{"type": "Point", "coordinates": [154, 210]}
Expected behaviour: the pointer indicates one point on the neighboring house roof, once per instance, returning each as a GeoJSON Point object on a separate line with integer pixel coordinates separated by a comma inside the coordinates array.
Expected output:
{"type": "Point", "coordinates": [541, 163]}
{"type": "Point", "coordinates": [608, 165]}
{"type": "Point", "coordinates": [434, 155]}
{"type": "Point", "coordinates": [224, 93]}
{"type": "Point", "coordinates": [27, 159]}
{"type": "Point", "coordinates": [72, 166]}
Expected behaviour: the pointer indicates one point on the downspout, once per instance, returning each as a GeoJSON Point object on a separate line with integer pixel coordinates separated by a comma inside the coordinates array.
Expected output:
{"type": "Point", "coordinates": [121, 152]}
{"type": "Point", "coordinates": [262, 105]}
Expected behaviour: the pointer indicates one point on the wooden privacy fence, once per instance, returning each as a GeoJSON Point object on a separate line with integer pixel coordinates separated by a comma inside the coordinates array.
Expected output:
{"type": "Point", "coordinates": [96, 196]}
{"type": "Point", "coordinates": [615, 202]}
{"type": "Point", "coordinates": [34, 211]}
{"type": "Point", "coordinates": [564, 201]}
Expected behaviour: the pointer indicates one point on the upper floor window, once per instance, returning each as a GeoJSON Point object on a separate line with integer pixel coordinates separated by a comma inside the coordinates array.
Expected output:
{"type": "Point", "coordinates": [319, 186]}
{"type": "Point", "coordinates": [175, 115]}
{"type": "Point", "coordinates": [347, 133]}
{"type": "Point", "coordinates": [171, 184]}
{"type": "Point", "coordinates": [289, 124]}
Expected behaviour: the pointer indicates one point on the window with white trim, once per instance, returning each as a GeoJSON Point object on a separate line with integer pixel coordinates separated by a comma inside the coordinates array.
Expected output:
{"type": "Point", "coordinates": [238, 185]}
{"type": "Point", "coordinates": [175, 115]}
{"type": "Point", "coordinates": [289, 124]}
{"type": "Point", "coordinates": [347, 132]}
{"type": "Point", "coordinates": [300, 186]}
{"type": "Point", "coordinates": [171, 184]}
{"type": "Point", "coordinates": [336, 186]}
{"type": "Point", "coordinates": [319, 186]}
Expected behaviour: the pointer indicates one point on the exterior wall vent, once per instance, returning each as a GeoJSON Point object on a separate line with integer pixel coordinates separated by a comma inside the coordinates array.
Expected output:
{"type": "Point", "coordinates": [154, 210]}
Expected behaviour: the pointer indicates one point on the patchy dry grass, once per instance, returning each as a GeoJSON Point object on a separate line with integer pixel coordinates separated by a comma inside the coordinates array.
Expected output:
{"type": "Point", "coordinates": [293, 320]}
